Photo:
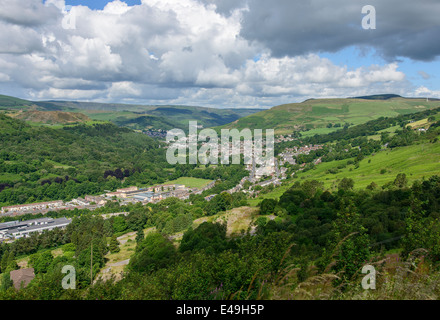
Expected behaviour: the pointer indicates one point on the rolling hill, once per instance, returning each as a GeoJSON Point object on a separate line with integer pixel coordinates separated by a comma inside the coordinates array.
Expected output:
{"type": "Point", "coordinates": [7, 102]}
{"type": "Point", "coordinates": [139, 117]}
{"type": "Point", "coordinates": [319, 116]}
{"type": "Point", "coordinates": [52, 117]}
{"type": "Point", "coordinates": [142, 117]}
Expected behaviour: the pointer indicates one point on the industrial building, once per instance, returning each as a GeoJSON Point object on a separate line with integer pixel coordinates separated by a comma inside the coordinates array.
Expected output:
{"type": "Point", "coordinates": [20, 229]}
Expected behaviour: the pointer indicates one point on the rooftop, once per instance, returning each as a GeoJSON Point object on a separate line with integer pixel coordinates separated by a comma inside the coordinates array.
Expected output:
{"type": "Point", "coordinates": [22, 277]}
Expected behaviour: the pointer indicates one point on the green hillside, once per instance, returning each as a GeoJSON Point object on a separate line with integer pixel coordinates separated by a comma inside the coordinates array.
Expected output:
{"type": "Point", "coordinates": [416, 161]}
{"type": "Point", "coordinates": [138, 117]}
{"type": "Point", "coordinates": [321, 115]}
{"type": "Point", "coordinates": [39, 163]}
{"type": "Point", "coordinates": [142, 117]}
{"type": "Point", "coordinates": [11, 102]}
{"type": "Point", "coordinates": [368, 153]}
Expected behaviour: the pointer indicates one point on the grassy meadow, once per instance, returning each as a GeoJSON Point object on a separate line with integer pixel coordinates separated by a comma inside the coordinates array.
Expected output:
{"type": "Point", "coordinates": [315, 115]}
{"type": "Point", "coordinates": [416, 161]}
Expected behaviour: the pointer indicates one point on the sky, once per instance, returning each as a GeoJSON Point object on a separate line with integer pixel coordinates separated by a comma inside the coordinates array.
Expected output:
{"type": "Point", "coordinates": [218, 53]}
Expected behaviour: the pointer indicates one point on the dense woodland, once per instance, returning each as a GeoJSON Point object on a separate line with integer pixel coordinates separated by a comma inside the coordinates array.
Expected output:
{"type": "Point", "coordinates": [61, 164]}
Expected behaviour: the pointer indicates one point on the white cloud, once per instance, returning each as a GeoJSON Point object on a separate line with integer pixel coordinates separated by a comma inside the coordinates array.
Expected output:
{"type": "Point", "coordinates": [423, 91]}
{"type": "Point", "coordinates": [124, 89]}
{"type": "Point", "coordinates": [169, 51]}
{"type": "Point", "coordinates": [311, 75]}
{"type": "Point", "coordinates": [116, 7]}
{"type": "Point", "coordinates": [69, 94]}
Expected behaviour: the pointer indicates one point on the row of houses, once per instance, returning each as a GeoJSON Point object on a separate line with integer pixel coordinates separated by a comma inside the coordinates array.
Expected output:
{"type": "Point", "coordinates": [89, 202]}
{"type": "Point", "coordinates": [21, 208]}
{"type": "Point", "coordinates": [134, 191]}
{"type": "Point", "coordinates": [289, 153]}
{"type": "Point", "coordinates": [19, 229]}
{"type": "Point", "coordinates": [285, 138]}
{"type": "Point", "coordinates": [128, 195]}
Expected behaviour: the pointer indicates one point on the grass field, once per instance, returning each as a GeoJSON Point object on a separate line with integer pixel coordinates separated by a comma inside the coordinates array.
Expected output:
{"type": "Point", "coordinates": [417, 162]}
{"type": "Point", "coordinates": [275, 194]}
{"type": "Point", "coordinates": [190, 182]}
{"type": "Point", "coordinates": [9, 177]}
{"type": "Point", "coordinates": [58, 165]}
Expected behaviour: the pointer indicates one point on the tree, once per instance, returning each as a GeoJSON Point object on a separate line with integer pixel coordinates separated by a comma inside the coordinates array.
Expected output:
{"type": "Point", "coordinates": [140, 235]}
{"type": "Point", "coordinates": [353, 253]}
{"type": "Point", "coordinates": [114, 245]}
{"type": "Point", "coordinates": [372, 186]}
{"type": "Point", "coordinates": [153, 253]}
{"type": "Point", "coordinates": [208, 236]}
{"type": "Point", "coordinates": [12, 263]}
{"type": "Point", "coordinates": [351, 244]}
{"type": "Point", "coordinates": [401, 181]}
{"type": "Point", "coordinates": [267, 206]}
{"type": "Point", "coordinates": [346, 184]}
{"type": "Point", "coordinates": [260, 222]}
{"type": "Point", "coordinates": [220, 202]}
{"type": "Point", "coordinates": [108, 229]}
{"type": "Point", "coordinates": [247, 184]}
{"type": "Point", "coordinates": [310, 187]}
{"type": "Point", "coordinates": [119, 224]}
{"type": "Point", "coordinates": [421, 232]}
{"type": "Point", "coordinates": [4, 261]}
{"type": "Point", "coordinates": [6, 282]}
{"type": "Point", "coordinates": [42, 262]}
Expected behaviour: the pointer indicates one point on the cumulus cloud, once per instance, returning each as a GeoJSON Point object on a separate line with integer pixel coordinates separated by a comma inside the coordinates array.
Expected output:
{"type": "Point", "coordinates": [423, 92]}
{"type": "Point", "coordinates": [212, 53]}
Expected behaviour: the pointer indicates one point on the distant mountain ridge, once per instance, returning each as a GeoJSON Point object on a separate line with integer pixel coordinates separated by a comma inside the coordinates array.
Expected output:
{"type": "Point", "coordinates": [313, 116]}
{"type": "Point", "coordinates": [379, 97]}
{"type": "Point", "coordinates": [320, 116]}
{"type": "Point", "coordinates": [389, 96]}
{"type": "Point", "coordinates": [138, 117]}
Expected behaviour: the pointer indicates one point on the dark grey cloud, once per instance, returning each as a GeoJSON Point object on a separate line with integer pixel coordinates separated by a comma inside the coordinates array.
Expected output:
{"type": "Point", "coordinates": [29, 13]}
{"type": "Point", "coordinates": [403, 28]}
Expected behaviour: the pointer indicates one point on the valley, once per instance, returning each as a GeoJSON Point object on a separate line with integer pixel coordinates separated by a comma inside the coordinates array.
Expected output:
{"type": "Point", "coordinates": [207, 232]}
